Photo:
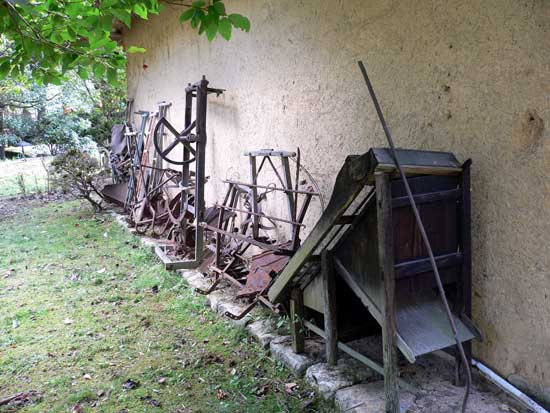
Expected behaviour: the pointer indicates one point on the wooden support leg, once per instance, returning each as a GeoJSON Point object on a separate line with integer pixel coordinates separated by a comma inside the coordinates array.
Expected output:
{"type": "Point", "coordinates": [464, 300]}
{"type": "Point", "coordinates": [386, 262]}
{"type": "Point", "coordinates": [296, 316]}
{"type": "Point", "coordinates": [329, 289]}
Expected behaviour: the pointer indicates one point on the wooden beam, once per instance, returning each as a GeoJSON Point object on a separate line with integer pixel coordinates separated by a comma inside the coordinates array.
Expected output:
{"type": "Point", "coordinates": [386, 262]}
{"type": "Point", "coordinates": [296, 318]}
{"type": "Point", "coordinates": [331, 322]}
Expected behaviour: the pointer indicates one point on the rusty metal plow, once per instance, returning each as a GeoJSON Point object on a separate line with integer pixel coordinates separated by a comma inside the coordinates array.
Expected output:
{"type": "Point", "coordinates": [243, 225]}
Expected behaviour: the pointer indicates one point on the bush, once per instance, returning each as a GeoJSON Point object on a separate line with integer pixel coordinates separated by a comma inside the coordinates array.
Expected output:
{"type": "Point", "coordinates": [77, 172]}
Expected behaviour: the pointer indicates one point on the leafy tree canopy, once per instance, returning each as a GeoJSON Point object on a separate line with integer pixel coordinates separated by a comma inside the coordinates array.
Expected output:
{"type": "Point", "coordinates": [47, 38]}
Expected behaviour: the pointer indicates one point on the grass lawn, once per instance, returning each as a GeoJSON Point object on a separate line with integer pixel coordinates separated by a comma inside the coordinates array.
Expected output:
{"type": "Point", "coordinates": [92, 323]}
{"type": "Point", "coordinates": [30, 171]}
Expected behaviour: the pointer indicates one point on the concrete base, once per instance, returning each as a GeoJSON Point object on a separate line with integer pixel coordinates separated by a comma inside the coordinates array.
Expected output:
{"type": "Point", "coordinates": [281, 348]}
{"type": "Point", "coordinates": [262, 331]}
{"type": "Point", "coordinates": [368, 398]}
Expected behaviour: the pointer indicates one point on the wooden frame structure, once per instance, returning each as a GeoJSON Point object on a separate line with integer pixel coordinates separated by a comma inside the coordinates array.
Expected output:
{"type": "Point", "coordinates": [366, 248]}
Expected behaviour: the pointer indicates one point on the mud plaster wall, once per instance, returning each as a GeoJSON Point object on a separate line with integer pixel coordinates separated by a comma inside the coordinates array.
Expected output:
{"type": "Point", "coordinates": [469, 77]}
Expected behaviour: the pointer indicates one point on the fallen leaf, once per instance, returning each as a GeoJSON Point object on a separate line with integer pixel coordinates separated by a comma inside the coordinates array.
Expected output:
{"type": "Point", "coordinates": [68, 321]}
{"type": "Point", "coordinates": [262, 391]}
{"type": "Point", "coordinates": [220, 394]}
{"type": "Point", "coordinates": [130, 384]}
{"type": "Point", "coordinates": [101, 271]}
{"type": "Point", "coordinates": [154, 402]}
{"type": "Point", "coordinates": [289, 387]}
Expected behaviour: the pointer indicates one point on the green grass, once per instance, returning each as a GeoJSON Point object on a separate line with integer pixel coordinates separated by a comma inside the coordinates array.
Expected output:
{"type": "Point", "coordinates": [86, 320]}
{"type": "Point", "coordinates": [31, 171]}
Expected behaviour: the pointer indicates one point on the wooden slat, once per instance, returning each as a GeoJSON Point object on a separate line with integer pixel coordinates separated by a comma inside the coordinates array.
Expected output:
{"type": "Point", "coordinates": [414, 267]}
{"type": "Point", "coordinates": [330, 311]}
{"type": "Point", "coordinates": [296, 319]}
{"type": "Point", "coordinates": [428, 197]}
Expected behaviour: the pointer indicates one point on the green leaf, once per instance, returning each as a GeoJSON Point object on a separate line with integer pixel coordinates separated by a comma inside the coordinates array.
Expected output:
{"type": "Point", "coordinates": [187, 14]}
{"type": "Point", "coordinates": [240, 21]}
{"type": "Point", "coordinates": [135, 49]}
{"type": "Point", "coordinates": [112, 77]}
{"type": "Point", "coordinates": [141, 11]}
{"type": "Point", "coordinates": [211, 31]}
{"type": "Point", "coordinates": [224, 27]}
{"type": "Point", "coordinates": [219, 7]}
{"type": "Point", "coordinates": [123, 15]}
{"type": "Point", "coordinates": [99, 70]}
{"type": "Point", "coordinates": [198, 4]}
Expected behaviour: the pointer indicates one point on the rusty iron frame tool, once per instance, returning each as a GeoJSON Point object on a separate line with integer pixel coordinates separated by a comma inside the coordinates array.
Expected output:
{"type": "Point", "coordinates": [423, 233]}
{"type": "Point", "coordinates": [194, 132]}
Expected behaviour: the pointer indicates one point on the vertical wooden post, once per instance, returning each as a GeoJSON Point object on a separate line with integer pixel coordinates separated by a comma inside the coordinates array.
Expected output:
{"type": "Point", "coordinates": [465, 286]}
{"type": "Point", "coordinates": [296, 316]}
{"type": "Point", "coordinates": [329, 290]}
{"type": "Point", "coordinates": [386, 262]}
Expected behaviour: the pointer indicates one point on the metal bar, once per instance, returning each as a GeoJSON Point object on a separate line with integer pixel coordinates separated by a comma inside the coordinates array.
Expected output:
{"type": "Point", "coordinates": [240, 237]}
{"type": "Point", "coordinates": [301, 215]}
{"type": "Point", "coordinates": [199, 166]}
{"type": "Point", "coordinates": [274, 188]}
{"type": "Point", "coordinates": [225, 275]}
{"type": "Point", "coordinates": [425, 239]}
{"type": "Point", "coordinates": [254, 200]}
{"type": "Point", "coordinates": [262, 215]}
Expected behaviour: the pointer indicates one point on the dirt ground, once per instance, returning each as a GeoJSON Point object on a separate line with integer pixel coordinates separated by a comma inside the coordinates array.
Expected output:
{"type": "Point", "coordinates": [14, 205]}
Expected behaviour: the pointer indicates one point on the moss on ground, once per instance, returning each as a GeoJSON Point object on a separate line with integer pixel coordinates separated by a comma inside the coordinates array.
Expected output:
{"type": "Point", "coordinates": [84, 308]}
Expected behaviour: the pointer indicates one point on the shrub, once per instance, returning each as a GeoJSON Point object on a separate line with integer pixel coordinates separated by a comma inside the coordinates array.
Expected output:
{"type": "Point", "coordinates": [77, 172]}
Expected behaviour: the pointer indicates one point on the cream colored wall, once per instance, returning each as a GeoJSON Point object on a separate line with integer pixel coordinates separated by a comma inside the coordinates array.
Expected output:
{"type": "Point", "coordinates": [471, 77]}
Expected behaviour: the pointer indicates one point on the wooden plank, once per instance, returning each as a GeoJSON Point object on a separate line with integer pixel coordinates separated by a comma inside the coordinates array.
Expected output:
{"type": "Point", "coordinates": [346, 219]}
{"type": "Point", "coordinates": [349, 183]}
{"type": "Point", "coordinates": [331, 321]}
{"type": "Point", "coordinates": [371, 306]}
{"type": "Point", "coordinates": [385, 255]}
{"type": "Point", "coordinates": [296, 319]}
{"type": "Point", "coordinates": [465, 287]}
{"type": "Point", "coordinates": [410, 268]}
{"type": "Point", "coordinates": [414, 157]}
{"type": "Point", "coordinates": [403, 201]}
